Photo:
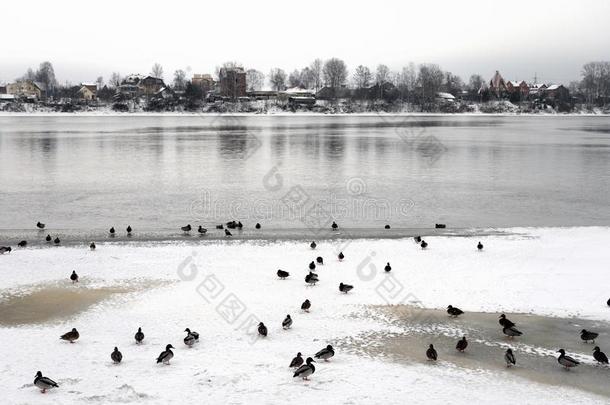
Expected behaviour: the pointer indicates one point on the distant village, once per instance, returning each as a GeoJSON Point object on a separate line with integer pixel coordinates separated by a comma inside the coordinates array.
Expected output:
{"type": "Point", "coordinates": [323, 87]}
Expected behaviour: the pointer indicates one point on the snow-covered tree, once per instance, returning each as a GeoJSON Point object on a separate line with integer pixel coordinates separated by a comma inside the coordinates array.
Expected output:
{"type": "Point", "coordinates": [277, 79]}
{"type": "Point", "coordinates": [255, 80]}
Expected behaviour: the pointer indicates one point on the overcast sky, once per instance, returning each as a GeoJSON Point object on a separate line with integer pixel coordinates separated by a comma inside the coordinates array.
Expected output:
{"type": "Point", "coordinates": [86, 39]}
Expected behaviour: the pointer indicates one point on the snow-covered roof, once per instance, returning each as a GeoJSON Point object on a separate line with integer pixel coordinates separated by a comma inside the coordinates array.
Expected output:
{"type": "Point", "coordinates": [554, 87]}
{"type": "Point", "coordinates": [515, 83]}
{"type": "Point", "coordinates": [7, 96]}
{"type": "Point", "coordinates": [447, 96]}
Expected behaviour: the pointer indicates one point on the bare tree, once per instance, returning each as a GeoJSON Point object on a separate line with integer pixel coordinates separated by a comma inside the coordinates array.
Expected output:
{"type": "Point", "coordinates": [453, 83]}
{"type": "Point", "coordinates": [596, 81]}
{"type": "Point", "coordinates": [407, 81]}
{"type": "Point", "coordinates": [46, 75]}
{"type": "Point", "coordinates": [294, 79]}
{"type": "Point", "coordinates": [316, 68]}
{"type": "Point", "coordinates": [307, 78]}
{"type": "Point", "coordinates": [382, 74]}
{"type": "Point", "coordinates": [277, 78]}
{"type": "Point", "coordinates": [475, 83]}
{"type": "Point", "coordinates": [362, 77]}
{"type": "Point", "coordinates": [179, 79]}
{"type": "Point", "coordinates": [115, 79]}
{"type": "Point", "coordinates": [255, 80]}
{"type": "Point", "coordinates": [430, 80]}
{"type": "Point", "coordinates": [335, 73]}
{"type": "Point", "coordinates": [157, 71]}
{"type": "Point", "coordinates": [100, 82]}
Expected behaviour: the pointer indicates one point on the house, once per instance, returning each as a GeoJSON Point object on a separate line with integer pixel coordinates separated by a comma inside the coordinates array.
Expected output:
{"type": "Point", "coordinates": [26, 89]}
{"type": "Point", "coordinates": [536, 89]}
{"type": "Point", "coordinates": [88, 91]}
{"type": "Point", "coordinates": [519, 87]}
{"type": "Point", "coordinates": [497, 85]}
{"type": "Point", "coordinates": [557, 92]}
{"type": "Point", "coordinates": [127, 91]}
{"type": "Point", "coordinates": [164, 93]}
{"type": "Point", "coordinates": [204, 81]}
{"type": "Point", "coordinates": [2, 89]}
{"type": "Point", "coordinates": [151, 85]}
{"type": "Point", "coordinates": [232, 82]}
{"type": "Point", "coordinates": [262, 94]}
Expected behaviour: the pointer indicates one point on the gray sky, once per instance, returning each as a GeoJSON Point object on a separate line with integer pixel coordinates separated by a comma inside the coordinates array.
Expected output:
{"type": "Point", "coordinates": [85, 39]}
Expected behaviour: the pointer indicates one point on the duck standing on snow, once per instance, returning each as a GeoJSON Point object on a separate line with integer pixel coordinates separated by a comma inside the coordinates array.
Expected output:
{"type": "Point", "coordinates": [423, 244]}
{"type": "Point", "coordinates": [116, 356]}
{"type": "Point", "coordinates": [23, 243]}
{"type": "Point", "coordinates": [305, 370]}
{"type": "Point", "coordinates": [193, 333]}
{"type": "Point", "coordinates": [325, 353]}
{"type": "Point", "coordinates": [600, 356]}
{"type": "Point", "coordinates": [282, 274]}
{"type": "Point", "coordinates": [128, 229]}
{"type": "Point", "coordinates": [186, 229]}
{"type": "Point", "coordinates": [505, 322]}
{"type": "Point", "coordinates": [262, 329]}
{"type": "Point", "coordinates": [112, 231]}
{"type": "Point", "coordinates": [5, 249]}
{"type": "Point", "coordinates": [297, 361]}
{"type": "Point", "coordinates": [334, 226]}
{"type": "Point", "coordinates": [509, 357]}
{"type": "Point", "coordinates": [166, 355]}
{"type": "Point", "coordinates": [387, 226]}
{"type": "Point", "coordinates": [201, 230]}
{"type": "Point", "coordinates": [287, 323]}
{"type": "Point", "coordinates": [345, 288]}
{"type": "Point", "coordinates": [92, 246]}
{"type": "Point", "coordinates": [70, 336]}
{"type": "Point", "coordinates": [257, 226]}
{"type": "Point", "coordinates": [48, 238]}
{"type": "Point", "coordinates": [306, 305]}
{"type": "Point", "coordinates": [462, 344]}
{"type": "Point", "coordinates": [454, 311]}
{"type": "Point", "coordinates": [566, 361]}
{"type": "Point", "coordinates": [341, 256]}
{"type": "Point", "coordinates": [319, 260]}
{"type": "Point", "coordinates": [74, 277]}
{"type": "Point", "coordinates": [417, 239]}
{"type": "Point", "coordinates": [40, 225]}
{"type": "Point", "coordinates": [588, 335]}
{"type": "Point", "coordinates": [608, 302]}
{"type": "Point", "coordinates": [139, 336]}
{"type": "Point", "coordinates": [228, 233]}
{"type": "Point", "coordinates": [56, 240]}
{"type": "Point", "coordinates": [431, 353]}
{"type": "Point", "coordinates": [511, 332]}
{"type": "Point", "coordinates": [313, 245]}
{"type": "Point", "coordinates": [480, 246]}
{"type": "Point", "coordinates": [44, 383]}
{"type": "Point", "coordinates": [312, 266]}
{"type": "Point", "coordinates": [311, 278]}
{"type": "Point", "coordinates": [189, 340]}
{"type": "Point", "coordinates": [388, 268]}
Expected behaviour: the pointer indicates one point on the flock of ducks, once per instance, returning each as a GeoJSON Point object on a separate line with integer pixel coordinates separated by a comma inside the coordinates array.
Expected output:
{"type": "Point", "coordinates": [304, 369]}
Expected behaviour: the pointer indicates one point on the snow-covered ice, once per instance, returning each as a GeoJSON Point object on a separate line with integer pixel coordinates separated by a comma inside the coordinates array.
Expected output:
{"type": "Point", "coordinates": [222, 289]}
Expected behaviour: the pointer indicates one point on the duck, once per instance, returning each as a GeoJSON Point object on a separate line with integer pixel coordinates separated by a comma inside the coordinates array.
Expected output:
{"type": "Point", "coordinates": [387, 226]}
{"type": "Point", "coordinates": [192, 333]}
{"type": "Point", "coordinates": [319, 260]}
{"type": "Point", "coordinates": [306, 305]}
{"type": "Point", "coordinates": [599, 356]}
{"type": "Point", "coordinates": [440, 226]}
{"type": "Point", "coordinates": [608, 302]}
{"type": "Point", "coordinates": [48, 238]}
{"type": "Point", "coordinates": [228, 233]}
{"type": "Point", "coordinates": [313, 245]}
{"type": "Point", "coordinates": [287, 323]}
{"type": "Point", "coordinates": [257, 226]}
{"type": "Point", "coordinates": [128, 229]}
{"type": "Point", "coordinates": [388, 268]}
{"type": "Point", "coordinates": [509, 357]}
{"type": "Point", "coordinates": [325, 353]}
{"type": "Point", "coordinates": [220, 226]}
{"type": "Point", "coordinates": [56, 240]}
{"type": "Point", "coordinates": [74, 277]}
{"type": "Point", "coordinates": [505, 322]}
{"type": "Point", "coordinates": [40, 225]}
{"type": "Point", "coordinates": [311, 278]}
{"type": "Point", "coordinates": [312, 266]}
{"type": "Point", "coordinates": [511, 332]}
{"type": "Point", "coordinates": [566, 361]}
{"type": "Point", "coordinates": [480, 246]}
{"type": "Point", "coordinates": [423, 244]}
{"type": "Point", "coordinates": [431, 353]}
{"type": "Point", "coordinates": [239, 225]}
{"type": "Point", "coordinates": [341, 256]}
{"type": "Point", "coordinates": [189, 340]}
{"type": "Point", "coordinates": [5, 249]}
{"type": "Point", "coordinates": [23, 243]}
{"type": "Point", "coordinates": [345, 288]}
{"type": "Point", "coordinates": [231, 224]}
{"type": "Point", "coordinates": [282, 274]}
{"type": "Point", "coordinates": [462, 344]}
{"type": "Point", "coordinates": [417, 239]}
{"type": "Point", "coordinates": [92, 246]}
{"type": "Point", "coordinates": [139, 336]}
{"type": "Point", "coordinates": [44, 383]}
{"type": "Point", "coordinates": [201, 230]}
{"type": "Point", "coordinates": [305, 370]}
{"type": "Point", "coordinates": [116, 356]}
{"type": "Point", "coordinates": [588, 335]}
{"type": "Point", "coordinates": [262, 329]}
{"type": "Point", "coordinates": [70, 336]}
{"type": "Point", "coordinates": [186, 229]}
{"type": "Point", "coordinates": [112, 231]}
{"type": "Point", "coordinates": [454, 311]}
{"type": "Point", "coordinates": [166, 355]}
{"type": "Point", "coordinates": [334, 226]}
{"type": "Point", "coordinates": [297, 361]}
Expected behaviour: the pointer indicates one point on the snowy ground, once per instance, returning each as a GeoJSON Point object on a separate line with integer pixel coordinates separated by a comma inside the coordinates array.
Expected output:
{"type": "Point", "coordinates": [220, 289]}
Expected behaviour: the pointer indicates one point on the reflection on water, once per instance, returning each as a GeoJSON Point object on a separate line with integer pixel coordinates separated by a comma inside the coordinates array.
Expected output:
{"type": "Point", "coordinates": [84, 173]}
